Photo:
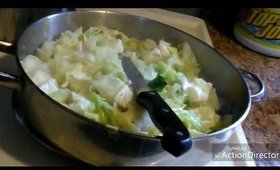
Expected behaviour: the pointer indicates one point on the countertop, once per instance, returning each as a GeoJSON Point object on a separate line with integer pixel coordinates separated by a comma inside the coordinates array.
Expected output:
{"type": "Point", "coordinates": [262, 126]}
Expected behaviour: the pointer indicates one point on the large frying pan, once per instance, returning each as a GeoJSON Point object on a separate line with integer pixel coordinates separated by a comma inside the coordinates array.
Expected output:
{"type": "Point", "coordinates": [97, 144]}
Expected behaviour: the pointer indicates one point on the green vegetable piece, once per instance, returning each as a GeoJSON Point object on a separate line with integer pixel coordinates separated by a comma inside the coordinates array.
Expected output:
{"type": "Point", "coordinates": [158, 83]}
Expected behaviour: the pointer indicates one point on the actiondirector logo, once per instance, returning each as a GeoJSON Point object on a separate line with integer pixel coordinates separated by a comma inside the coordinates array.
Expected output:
{"type": "Point", "coordinates": [241, 152]}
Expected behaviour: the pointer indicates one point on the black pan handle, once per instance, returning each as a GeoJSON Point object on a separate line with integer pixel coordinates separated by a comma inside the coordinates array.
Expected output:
{"type": "Point", "coordinates": [8, 47]}
{"type": "Point", "coordinates": [176, 138]}
{"type": "Point", "coordinates": [9, 80]}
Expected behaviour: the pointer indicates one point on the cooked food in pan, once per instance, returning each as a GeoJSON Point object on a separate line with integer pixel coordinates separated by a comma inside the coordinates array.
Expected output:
{"type": "Point", "coordinates": [82, 70]}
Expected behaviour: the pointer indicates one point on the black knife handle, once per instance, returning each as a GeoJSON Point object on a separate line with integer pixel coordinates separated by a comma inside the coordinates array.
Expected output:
{"type": "Point", "coordinates": [176, 138]}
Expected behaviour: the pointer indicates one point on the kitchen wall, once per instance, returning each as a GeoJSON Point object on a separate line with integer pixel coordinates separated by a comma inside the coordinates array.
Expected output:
{"type": "Point", "coordinates": [222, 19]}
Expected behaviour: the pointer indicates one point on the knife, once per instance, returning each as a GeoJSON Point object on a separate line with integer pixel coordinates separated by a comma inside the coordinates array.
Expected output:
{"type": "Point", "coordinates": [176, 138]}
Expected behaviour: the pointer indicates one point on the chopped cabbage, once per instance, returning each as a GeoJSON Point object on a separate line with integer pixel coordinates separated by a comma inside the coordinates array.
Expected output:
{"type": "Point", "coordinates": [82, 71]}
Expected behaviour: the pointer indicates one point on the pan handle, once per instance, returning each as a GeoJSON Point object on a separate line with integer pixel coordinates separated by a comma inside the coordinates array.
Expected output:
{"type": "Point", "coordinates": [251, 78]}
{"type": "Point", "coordinates": [7, 47]}
{"type": "Point", "coordinates": [10, 81]}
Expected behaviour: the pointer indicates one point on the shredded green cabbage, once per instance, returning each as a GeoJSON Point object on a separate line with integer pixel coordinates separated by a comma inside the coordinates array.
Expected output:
{"type": "Point", "coordinates": [82, 71]}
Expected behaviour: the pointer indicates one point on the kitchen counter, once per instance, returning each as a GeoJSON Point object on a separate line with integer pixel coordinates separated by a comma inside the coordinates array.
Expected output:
{"type": "Point", "coordinates": [263, 122]}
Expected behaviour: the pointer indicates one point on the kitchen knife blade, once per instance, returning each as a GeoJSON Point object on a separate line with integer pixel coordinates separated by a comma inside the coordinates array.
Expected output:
{"type": "Point", "coordinates": [176, 138]}
{"type": "Point", "coordinates": [138, 82]}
